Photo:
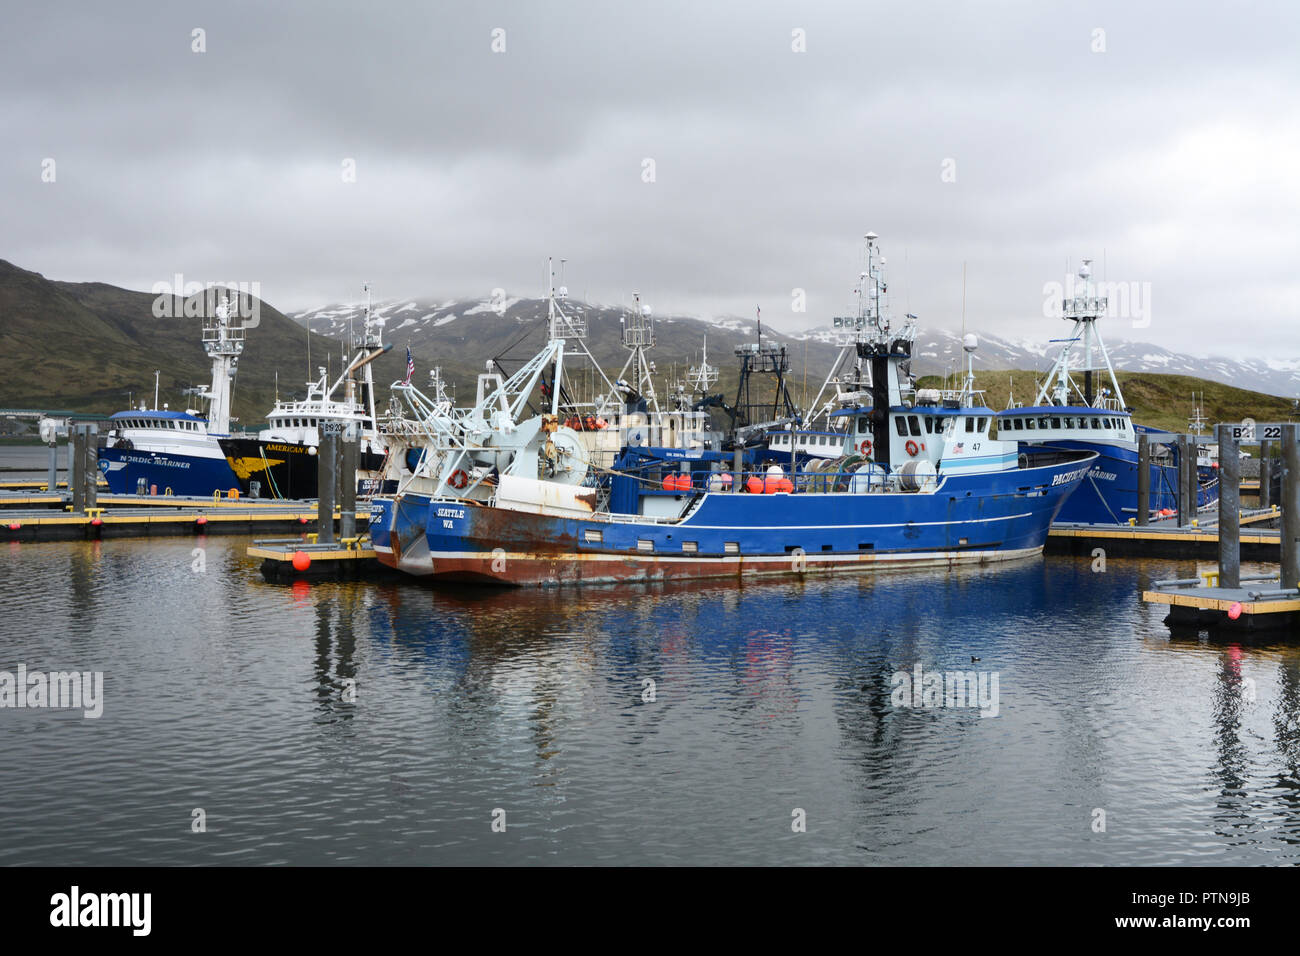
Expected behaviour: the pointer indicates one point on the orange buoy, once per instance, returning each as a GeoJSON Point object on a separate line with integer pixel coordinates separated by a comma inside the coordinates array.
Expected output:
{"type": "Point", "coordinates": [754, 486]}
{"type": "Point", "coordinates": [784, 485]}
{"type": "Point", "coordinates": [301, 560]}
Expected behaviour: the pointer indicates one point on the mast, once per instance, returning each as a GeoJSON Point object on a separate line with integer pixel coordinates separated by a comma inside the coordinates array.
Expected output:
{"type": "Point", "coordinates": [1083, 307]}
{"type": "Point", "coordinates": [638, 338]}
{"type": "Point", "coordinates": [223, 339]}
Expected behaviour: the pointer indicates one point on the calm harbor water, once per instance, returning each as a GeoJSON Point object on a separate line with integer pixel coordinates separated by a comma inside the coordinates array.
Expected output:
{"type": "Point", "coordinates": [225, 693]}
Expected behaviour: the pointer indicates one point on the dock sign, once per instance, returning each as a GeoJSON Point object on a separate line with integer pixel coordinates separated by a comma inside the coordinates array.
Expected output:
{"type": "Point", "coordinates": [1249, 431]}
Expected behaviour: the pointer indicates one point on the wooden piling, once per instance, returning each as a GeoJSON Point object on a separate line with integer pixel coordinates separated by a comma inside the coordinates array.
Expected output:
{"type": "Point", "coordinates": [1229, 509]}
{"type": "Point", "coordinates": [326, 474]}
{"type": "Point", "coordinates": [348, 456]}
{"type": "Point", "coordinates": [1290, 505]}
{"type": "Point", "coordinates": [1265, 473]}
{"type": "Point", "coordinates": [1144, 479]}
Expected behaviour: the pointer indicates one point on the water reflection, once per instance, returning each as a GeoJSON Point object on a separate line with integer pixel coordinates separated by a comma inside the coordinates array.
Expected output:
{"type": "Point", "coordinates": [664, 723]}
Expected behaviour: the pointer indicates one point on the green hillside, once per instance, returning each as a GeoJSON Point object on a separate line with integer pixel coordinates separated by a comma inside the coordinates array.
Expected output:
{"type": "Point", "coordinates": [88, 346]}
{"type": "Point", "coordinates": [1161, 401]}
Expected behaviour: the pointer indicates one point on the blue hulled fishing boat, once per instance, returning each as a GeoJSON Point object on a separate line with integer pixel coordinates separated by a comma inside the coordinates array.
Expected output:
{"type": "Point", "coordinates": [1082, 414]}
{"type": "Point", "coordinates": [160, 451]}
{"type": "Point", "coordinates": [501, 499]}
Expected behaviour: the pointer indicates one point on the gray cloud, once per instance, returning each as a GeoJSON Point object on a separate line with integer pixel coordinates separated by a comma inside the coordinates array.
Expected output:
{"type": "Point", "coordinates": [1170, 158]}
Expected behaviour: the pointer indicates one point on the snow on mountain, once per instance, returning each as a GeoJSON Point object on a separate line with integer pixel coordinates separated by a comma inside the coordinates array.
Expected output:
{"type": "Point", "coordinates": [466, 326]}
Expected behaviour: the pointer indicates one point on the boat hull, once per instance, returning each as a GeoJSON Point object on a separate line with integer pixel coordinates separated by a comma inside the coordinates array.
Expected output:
{"type": "Point", "coordinates": [967, 520]}
{"type": "Point", "coordinates": [1109, 493]}
{"type": "Point", "coordinates": [285, 469]}
{"type": "Point", "coordinates": [171, 474]}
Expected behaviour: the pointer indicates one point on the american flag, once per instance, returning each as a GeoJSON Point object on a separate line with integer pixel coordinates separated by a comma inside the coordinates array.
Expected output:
{"type": "Point", "coordinates": [410, 366]}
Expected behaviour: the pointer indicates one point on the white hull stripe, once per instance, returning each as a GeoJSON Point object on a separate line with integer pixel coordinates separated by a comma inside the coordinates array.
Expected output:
{"type": "Point", "coordinates": [863, 557]}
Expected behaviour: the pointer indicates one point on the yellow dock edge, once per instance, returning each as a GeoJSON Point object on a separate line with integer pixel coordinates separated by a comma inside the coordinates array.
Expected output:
{"type": "Point", "coordinates": [1188, 599]}
{"type": "Point", "coordinates": [1137, 533]}
{"type": "Point", "coordinates": [285, 554]}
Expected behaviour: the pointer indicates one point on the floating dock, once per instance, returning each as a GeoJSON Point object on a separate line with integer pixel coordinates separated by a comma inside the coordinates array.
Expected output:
{"type": "Point", "coordinates": [1224, 599]}
{"type": "Point", "coordinates": [198, 516]}
{"type": "Point", "coordinates": [1168, 539]}
{"type": "Point", "coordinates": [1264, 605]}
{"type": "Point", "coordinates": [293, 559]}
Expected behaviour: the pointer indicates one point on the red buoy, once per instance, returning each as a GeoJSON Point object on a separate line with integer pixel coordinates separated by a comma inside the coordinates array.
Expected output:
{"type": "Point", "coordinates": [301, 560]}
{"type": "Point", "coordinates": [302, 520]}
{"type": "Point", "coordinates": [14, 526]}
{"type": "Point", "coordinates": [201, 520]}
{"type": "Point", "coordinates": [1234, 612]}
{"type": "Point", "coordinates": [96, 521]}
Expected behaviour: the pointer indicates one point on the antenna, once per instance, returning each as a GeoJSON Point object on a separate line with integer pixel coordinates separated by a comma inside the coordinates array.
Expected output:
{"type": "Point", "coordinates": [963, 300]}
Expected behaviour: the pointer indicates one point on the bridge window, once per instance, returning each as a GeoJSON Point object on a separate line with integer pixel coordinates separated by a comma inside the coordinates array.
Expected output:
{"type": "Point", "coordinates": [984, 421]}
{"type": "Point", "coordinates": [1056, 423]}
{"type": "Point", "coordinates": [915, 424]}
{"type": "Point", "coordinates": [970, 424]}
{"type": "Point", "coordinates": [900, 425]}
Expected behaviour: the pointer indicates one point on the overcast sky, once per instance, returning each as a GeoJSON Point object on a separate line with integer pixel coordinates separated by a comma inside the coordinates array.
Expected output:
{"type": "Point", "coordinates": [1013, 137]}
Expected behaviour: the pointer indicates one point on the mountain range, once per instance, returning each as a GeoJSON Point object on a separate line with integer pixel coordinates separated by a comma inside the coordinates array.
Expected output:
{"type": "Point", "coordinates": [458, 333]}
{"type": "Point", "coordinates": [93, 347]}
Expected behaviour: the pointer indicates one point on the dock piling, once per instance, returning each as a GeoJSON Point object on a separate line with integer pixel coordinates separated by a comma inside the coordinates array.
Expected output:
{"type": "Point", "coordinates": [348, 482]}
{"type": "Point", "coordinates": [326, 473]}
{"type": "Point", "coordinates": [52, 484]}
{"type": "Point", "coordinates": [83, 476]}
{"type": "Point", "coordinates": [1265, 473]}
{"type": "Point", "coordinates": [1290, 505]}
{"type": "Point", "coordinates": [1186, 496]}
{"type": "Point", "coordinates": [77, 468]}
{"type": "Point", "coordinates": [1229, 509]}
{"type": "Point", "coordinates": [1144, 479]}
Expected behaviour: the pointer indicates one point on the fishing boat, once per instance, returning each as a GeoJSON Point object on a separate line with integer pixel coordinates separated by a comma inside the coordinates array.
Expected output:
{"type": "Point", "coordinates": [499, 498]}
{"type": "Point", "coordinates": [1089, 413]}
{"type": "Point", "coordinates": [280, 462]}
{"type": "Point", "coordinates": [162, 451]}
